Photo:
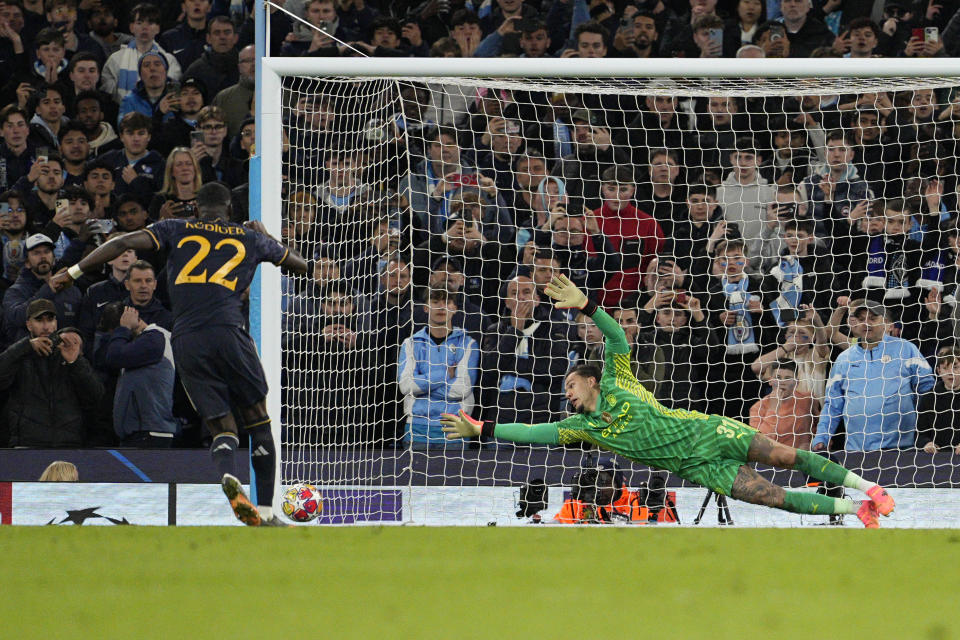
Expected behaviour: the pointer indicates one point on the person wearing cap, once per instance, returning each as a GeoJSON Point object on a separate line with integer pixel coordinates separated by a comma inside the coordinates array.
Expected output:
{"type": "Point", "coordinates": [873, 387]}
{"type": "Point", "coordinates": [187, 39]}
{"type": "Point", "coordinates": [437, 372]}
{"type": "Point", "coordinates": [33, 285]}
{"type": "Point", "coordinates": [121, 72]}
{"type": "Point", "coordinates": [50, 386]}
{"type": "Point", "coordinates": [176, 116]}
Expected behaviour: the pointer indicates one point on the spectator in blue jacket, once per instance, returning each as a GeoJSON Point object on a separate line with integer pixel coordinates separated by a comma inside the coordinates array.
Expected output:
{"type": "Point", "coordinates": [32, 285]}
{"type": "Point", "coordinates": [151, 88]}
{"type": "Point", "coordinates": [873, 387]}
{"type": "Point", "coordinates": [143, 404]}
{"type": "Point", "coordinates": [438, 368]}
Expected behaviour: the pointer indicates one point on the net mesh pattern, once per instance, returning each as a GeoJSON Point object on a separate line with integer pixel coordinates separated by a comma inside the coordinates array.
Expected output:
{"type": "Point", "coordinates": [735, 228]}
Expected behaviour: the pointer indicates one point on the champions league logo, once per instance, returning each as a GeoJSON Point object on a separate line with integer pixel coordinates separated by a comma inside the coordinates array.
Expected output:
{"type": "Point", "coordinates": [79, 516]}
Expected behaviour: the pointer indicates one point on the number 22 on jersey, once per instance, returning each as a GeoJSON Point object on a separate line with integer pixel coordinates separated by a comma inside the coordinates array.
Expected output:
{"type": "Point", "coordinates": [188, 274]}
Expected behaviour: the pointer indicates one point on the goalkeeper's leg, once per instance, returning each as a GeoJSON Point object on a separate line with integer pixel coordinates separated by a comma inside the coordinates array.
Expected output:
{"type": "Point", "coordinates": [766, 451]}
{"type": "Point", "coordinates": [750, 486]}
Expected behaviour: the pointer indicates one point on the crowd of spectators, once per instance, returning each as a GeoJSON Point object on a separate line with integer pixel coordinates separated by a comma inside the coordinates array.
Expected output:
{"type": "Point", "coordinates": [790, 261]}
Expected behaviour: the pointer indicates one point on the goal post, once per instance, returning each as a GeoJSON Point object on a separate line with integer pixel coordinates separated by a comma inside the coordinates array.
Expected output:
{"type": "Point", "coordinates": [347, 414]}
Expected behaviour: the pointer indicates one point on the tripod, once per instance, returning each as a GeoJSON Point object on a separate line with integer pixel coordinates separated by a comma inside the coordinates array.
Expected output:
{"type": "Point", "coordinates": [723, 510]}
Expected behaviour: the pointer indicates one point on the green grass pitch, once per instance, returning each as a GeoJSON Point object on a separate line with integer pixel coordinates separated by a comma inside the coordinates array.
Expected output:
{"type": "Point", "coordinates": [533, 582]}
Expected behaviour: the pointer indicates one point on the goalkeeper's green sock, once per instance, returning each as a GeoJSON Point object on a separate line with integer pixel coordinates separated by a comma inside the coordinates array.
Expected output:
{"type": "Point", "coordinates": [822, 468]}
{"type": "Point", "coordinates": [814, 503]}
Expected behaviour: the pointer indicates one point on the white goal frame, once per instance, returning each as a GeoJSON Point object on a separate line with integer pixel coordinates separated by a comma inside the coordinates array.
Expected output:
{"type": "Point", "coordinates": [266, 167]}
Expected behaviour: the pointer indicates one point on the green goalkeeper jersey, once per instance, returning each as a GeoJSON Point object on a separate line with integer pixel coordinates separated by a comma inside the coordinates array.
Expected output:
{"type": "Point", "coordinates": [628, 420]}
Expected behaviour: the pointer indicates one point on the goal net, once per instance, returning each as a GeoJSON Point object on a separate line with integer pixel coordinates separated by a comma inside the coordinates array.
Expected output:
{"type": "Point", "coordinates": [779, 250]}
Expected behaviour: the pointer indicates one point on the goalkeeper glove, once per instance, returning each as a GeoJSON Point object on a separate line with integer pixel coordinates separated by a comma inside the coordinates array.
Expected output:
{"type": "Point", "coordinates": [460, 425]}
{"type": "Point", "coordinates": [565, 294]}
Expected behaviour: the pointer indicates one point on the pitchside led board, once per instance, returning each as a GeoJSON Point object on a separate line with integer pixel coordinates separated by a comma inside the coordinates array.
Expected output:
{"type": "Point", "coordinates": [107, 504]}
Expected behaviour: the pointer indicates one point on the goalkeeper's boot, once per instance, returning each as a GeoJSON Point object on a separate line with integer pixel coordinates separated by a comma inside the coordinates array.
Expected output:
{"type": "Point", "coordinates": [868, 515]}
{"type": "Point", "coordinates": [274, 522]}
{"type": "Point", "coordinates": [882, 499]}
{"type": "Point", "coordinates": [239, 502]}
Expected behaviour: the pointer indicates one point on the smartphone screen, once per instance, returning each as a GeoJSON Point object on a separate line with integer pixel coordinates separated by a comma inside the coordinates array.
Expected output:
{"type": "Point", "coordinates": [196, 136]}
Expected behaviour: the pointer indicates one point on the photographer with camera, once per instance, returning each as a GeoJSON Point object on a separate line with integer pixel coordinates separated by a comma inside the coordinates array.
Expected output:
{"type": "Point", "coordinates": [600, 495]}
{"type": "Point", "coordinates": [51, 387]}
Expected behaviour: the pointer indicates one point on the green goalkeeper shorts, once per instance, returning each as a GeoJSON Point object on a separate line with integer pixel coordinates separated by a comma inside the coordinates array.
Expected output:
{"type": "Point", "coordinates": [717, 456]}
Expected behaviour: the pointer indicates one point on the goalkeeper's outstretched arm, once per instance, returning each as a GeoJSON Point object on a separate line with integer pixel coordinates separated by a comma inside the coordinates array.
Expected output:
{"type": "Point", "coordinates": [565, 295]}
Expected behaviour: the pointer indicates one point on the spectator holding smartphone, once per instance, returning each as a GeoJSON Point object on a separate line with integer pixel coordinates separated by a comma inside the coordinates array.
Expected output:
{"type": "Point", "coordinates": [772, 38]}
{"type": "Point", "coordinates": [13, 235]}
{"type": "Point", "coordinates": [181, 181]}
{"type": "Point", "coordinates": [175, 117]}
{"type": "Point", "coordinates": [40, 188]}
{"type": "Point", "coordinates": [153, 90]}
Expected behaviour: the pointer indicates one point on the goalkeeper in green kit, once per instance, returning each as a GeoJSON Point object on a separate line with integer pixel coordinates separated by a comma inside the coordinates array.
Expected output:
{"type": "Point", "coordinates": [616, 413]}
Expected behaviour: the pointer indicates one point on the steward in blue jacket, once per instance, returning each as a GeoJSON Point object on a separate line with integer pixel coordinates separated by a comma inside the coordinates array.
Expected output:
{"type": "Point", "coordinates": [874, 387]}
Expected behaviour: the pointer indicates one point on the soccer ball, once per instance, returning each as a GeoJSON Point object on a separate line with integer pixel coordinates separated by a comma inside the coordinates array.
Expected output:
{"type": "Point", "coordinates": [301, 502]}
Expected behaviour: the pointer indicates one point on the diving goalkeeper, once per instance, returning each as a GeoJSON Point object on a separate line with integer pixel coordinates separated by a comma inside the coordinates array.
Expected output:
{"type": "Point", "coordinates": [616, 413]}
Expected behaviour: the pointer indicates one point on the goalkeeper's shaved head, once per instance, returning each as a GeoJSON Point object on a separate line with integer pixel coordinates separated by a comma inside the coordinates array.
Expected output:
{"type": "Point", "coordinates": [213, 201]}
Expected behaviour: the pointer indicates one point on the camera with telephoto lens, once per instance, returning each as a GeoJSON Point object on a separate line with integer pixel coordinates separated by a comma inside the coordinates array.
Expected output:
{"type": "Point", "coordinates": [533, 499]}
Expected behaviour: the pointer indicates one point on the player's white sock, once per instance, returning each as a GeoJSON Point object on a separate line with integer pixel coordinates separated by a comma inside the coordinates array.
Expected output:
{"type": "Point", "coordinates": [265, 512]}
{"type": "Point", "coordinates": [853, 481]}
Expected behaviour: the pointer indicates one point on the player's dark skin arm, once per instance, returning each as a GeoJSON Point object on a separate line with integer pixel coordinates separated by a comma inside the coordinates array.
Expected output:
{"type": "Point", "coordinates": [293, 260]}
{"type": "Point", "coordinates": [137, 240]}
